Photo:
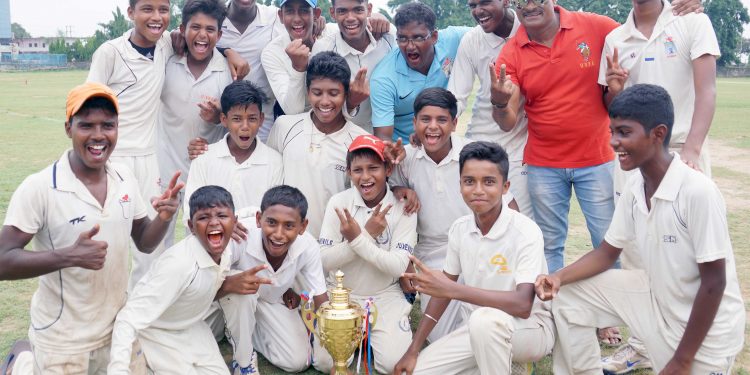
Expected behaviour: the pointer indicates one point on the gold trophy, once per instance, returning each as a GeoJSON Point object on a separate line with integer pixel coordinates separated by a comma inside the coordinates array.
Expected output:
{"type": "Point", "coordinates": [339, 324]}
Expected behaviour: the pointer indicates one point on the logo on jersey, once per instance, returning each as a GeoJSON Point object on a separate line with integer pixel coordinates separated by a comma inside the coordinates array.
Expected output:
{"type": "Point", "coordinates": [500, 263]}
{"type": "Point", "coordinates": [447, 65]}
{"type": "Point", "coordinates": [670, 239]}
{"type": "Point", "coordinates": [125, 204]}
{"type": "Point", "coordinates": [77, 220]}
{"type": "Point", "coordinates": [325, 242]}
{"type": "Point", "coordinates": [585, 51]}
{"type": "Point", "coordinates": [670, 49]}
{"type": "Point", "coordinates": [339, 168]}
{"type": "Point", "coordinates": [405, 246]}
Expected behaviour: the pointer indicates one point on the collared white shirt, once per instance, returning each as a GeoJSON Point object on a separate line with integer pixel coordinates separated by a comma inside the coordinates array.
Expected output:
{"type": "Point", "coordinates": [314, 162]}
{"type": "Point", "coordinates": [375, 51]}
{"type": "Point", "coordinates": [247, 182]}
{"type": "Point", "coordinates": [301, 264]}
{"type": "Point", "coordinates": [687, 225]}
{"type": "Point", "coordinates": [137, 81]}
{"type": "Point", "coordinates": [664, 59]}
{"type": "Point", "coordinates": [249, 45]}
{"type": "Point", "coordinates": [57, 207]}
{"type": "Point", "coordinates": [179, 118]}
{"type": "Point", "coordinates": [168, 301]}
{"type": "Point", "coordinates": [477, 51]}
{"type": "Point", "coordinates": [371, 265]}
{"type": "Point", "coordinates": [511, 253]}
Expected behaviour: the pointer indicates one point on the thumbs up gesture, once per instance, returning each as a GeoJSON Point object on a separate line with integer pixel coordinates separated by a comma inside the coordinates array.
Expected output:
{"type": "Point", "coordinates": [86, 252]}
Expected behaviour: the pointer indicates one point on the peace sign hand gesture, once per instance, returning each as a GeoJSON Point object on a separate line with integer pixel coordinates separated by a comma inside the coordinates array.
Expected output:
{"type": "Point", "coordinates": [616, 75]}
{"type": "Point", "coordinates": [349, 227]}
{"type": "Point", "coordinates": [167, 204]}
{"type": "Point", "coordinates": [376, 224]}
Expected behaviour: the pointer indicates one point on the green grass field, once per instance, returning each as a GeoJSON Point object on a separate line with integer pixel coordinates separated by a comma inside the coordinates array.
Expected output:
{"type": "Point", "coordinates": [32, 107]}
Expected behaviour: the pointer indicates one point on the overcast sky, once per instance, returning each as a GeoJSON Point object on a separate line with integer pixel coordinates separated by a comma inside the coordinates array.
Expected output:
{"type": "Point", "coordinates": [46, 17]}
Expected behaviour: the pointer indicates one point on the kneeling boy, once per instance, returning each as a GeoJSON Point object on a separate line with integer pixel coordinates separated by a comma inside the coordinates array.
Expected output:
{"type": "Point", "coordinates": [499, 252]}
{"type": "Point", "coordinates": [367, 235]}
{"type": "Point", "coordinates": [166, 308]}
{"type": "Point", "coordinates": [684, 304]}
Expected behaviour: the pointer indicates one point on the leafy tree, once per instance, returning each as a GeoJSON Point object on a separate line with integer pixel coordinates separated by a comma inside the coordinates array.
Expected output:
{"type": "Point", "coordinates": [325, 5]}
{"type": "Point", "coordinates": [728, 18]}
{"type": "Point", "coordinates": [117, 26]}
{"type": "Point", "coordinates": [175, 13]}
{"type": "Point", "coordinates": [449, 12]}
{"type": "Point", "coordinates": [618, 10]}
{"type": "Point", "coordinates": [18, 31]}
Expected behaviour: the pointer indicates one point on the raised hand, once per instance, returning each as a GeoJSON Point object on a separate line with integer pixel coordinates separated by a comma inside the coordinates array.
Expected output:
{"type": "Point", "coordinates": [394, 152]}
{"type": "Point", "coordinates": [299, 53]}
{"type": "Point", "coordinates": [197, 147]}
{"type": "Point", "coordinates": [378, 25]}
{"type": "Point", "coordinates": [547, 286]}
{"type": "Point", "coordinates": [239, 233]}
{"type": "Point", "coordinates": [179, 45]}
{"type": "Point", "coordinates": [615, 76]}
{"type": "Point", "coordinates": [319, 24]}
{"type": "Point", "coordinates": [683, 7]}
{"type": "Point", "coordinates": [434, 283]}
{"type": "Point", "coordinates": [210, 110]}
{"type": "Point", "coordinates": [167, 204]}
{"type": "Point", "coordinates": [349, 227]}
{"type": "Point", "coordinates": [86, 252]}
{"type": "Point", "coordinates": [409, 197]}
{"type": "Point", "coordinates": [502, 87]}
{"type": "Point", "coordinates": [247, 282]}
{"type": "Point", "coordinates": [690, 157]}
{"type": "Point", "coordinates": [377, 223]}
{"type": "Point", "coordinates": [359, 89]}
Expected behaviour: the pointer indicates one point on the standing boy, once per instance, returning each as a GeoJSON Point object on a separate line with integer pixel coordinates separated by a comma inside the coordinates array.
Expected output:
{"type": "Point", "coordinates": [165, 309]}
{"type": "Point", "coordinates": [239, 162]}
{"type": "Point", "coordinates": [79, 215]}
{"type": "Point", "coordinates": [191, 86]}
{"type": "Point", "coordinates": [421, 61]}
{"type": "Point", "coordinates": [477, 52]}
{"type": "Point", "coordinates": [367, 234]}
{"type": "Point", "coordinates": [499, 252]}
{"type": "Point", "coordinates": [683, 305]}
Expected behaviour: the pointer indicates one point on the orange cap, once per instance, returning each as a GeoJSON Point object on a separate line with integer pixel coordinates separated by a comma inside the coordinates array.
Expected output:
{"type": "Point", "coordinates": [371, 142]}
{"type": "Point", "coordinates": [81, 93]}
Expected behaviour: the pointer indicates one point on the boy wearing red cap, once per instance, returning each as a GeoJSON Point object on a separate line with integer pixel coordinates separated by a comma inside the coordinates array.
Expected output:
{"type": "Point", "coordinates": [82, 279]}
{"type": "Point", "coordinates": [367, 235]}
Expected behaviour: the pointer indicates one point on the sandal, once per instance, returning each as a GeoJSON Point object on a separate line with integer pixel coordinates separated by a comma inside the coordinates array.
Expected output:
{"type": "Point", "coordinates": [18, 347]}
{"type": "Point", "coordinates": [609, 337]}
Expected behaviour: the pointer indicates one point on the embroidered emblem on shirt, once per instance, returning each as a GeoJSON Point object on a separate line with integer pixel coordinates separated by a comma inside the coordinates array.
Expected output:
{"type": "Point", "coordinates": [125, 204]}
{"type": "Point", "coordinates": [500, 263]}
{"type": "Point", "coordinates": [670, 239]}
{"type": "Point", "coordinates": [584, 50]}
{"type": "Point", "coordinates": [404, 324]}
{"type": "Point", "coordinates": [405, 96]}
{"type": "Point", "coordinates": [447, 65]}
{"type": "Point", "coordinates": [77, 220]}
{"type": "Point", "coordinates": [670, 49]}
{"type": "Point", "coordinates": [339, 168]}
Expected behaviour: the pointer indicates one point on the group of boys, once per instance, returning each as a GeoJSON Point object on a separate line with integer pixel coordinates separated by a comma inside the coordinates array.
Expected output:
{"type": "Point", "coordinates": [338, 152]}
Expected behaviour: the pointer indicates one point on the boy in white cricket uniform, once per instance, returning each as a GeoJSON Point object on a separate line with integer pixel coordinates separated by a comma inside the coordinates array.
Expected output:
{"type": "Point", "coordinates": [239, 162]}
{"type": "Point", "coordinates": [499, 252]}
{"type": "Point", "coordinates": [192, 86]}
{"type": "Point", "coordinates": [683, 305]}
{"type": "Point", "coordinates": [432, 171]}
{"type": "Point", "coordinates": [79, 214]}
{"type": "Point", "coordinates": [478, 50]}
{"type": "Point", "coordinates": [165, 309]}
{"type": "Point", "coordinates": [264, 316]}
{"type": "Point", "coordinates": [368, 236]}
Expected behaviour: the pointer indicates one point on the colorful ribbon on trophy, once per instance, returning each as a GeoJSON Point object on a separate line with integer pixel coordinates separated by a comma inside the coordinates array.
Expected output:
{"type": "Point", "coordinates": [305, 297]}
{"type": "Point", "coordinates": [368, 315]}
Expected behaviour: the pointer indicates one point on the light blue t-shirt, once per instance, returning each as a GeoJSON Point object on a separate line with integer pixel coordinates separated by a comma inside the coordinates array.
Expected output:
{"type": "Point", "coordinates": [394, 85]}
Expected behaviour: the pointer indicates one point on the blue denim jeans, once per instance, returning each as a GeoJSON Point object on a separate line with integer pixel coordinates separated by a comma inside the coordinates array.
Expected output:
{"type": "Point", "coordinates": [550, 193]}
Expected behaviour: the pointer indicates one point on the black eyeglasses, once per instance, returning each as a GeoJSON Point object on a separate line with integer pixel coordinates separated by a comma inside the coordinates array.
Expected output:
{"type": "Point", "coordinates": [419, 39]}
{"type": "Point", "coordinates": [520, 4]}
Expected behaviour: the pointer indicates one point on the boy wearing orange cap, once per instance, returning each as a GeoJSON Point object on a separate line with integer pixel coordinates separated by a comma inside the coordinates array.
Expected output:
{"type": "Point", "coordinates": [79, 215]}
{"type": "Point", "coordinates": [367, 234]}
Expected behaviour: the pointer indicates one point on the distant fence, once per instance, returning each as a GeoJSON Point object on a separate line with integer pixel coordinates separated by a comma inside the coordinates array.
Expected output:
{"type": "Point", "coordinates": [733, 71]}
{"type": "Point", "coordinates": [32, 61]}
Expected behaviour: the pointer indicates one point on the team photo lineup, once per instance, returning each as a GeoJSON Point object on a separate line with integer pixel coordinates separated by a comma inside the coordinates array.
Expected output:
{"type": "Point", "coordinates": [234, 187]}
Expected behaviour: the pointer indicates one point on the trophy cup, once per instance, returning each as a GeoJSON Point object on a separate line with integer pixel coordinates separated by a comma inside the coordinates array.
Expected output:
{"type": "Point", "coordinates": [339, 324]}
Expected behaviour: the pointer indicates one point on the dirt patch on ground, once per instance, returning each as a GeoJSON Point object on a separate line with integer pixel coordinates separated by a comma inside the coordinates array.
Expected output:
{"type": "Point", "coordinates": [731, 171]}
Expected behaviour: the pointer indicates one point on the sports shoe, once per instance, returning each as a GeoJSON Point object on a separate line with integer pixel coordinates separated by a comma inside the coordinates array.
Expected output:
{"type": "Point", "coordinates": [624, 360]}
{"type": "Point", "coordinates": [249, 370]}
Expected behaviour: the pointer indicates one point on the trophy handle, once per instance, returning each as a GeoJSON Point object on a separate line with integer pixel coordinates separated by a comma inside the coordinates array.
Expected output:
{"type": "Point", "coordinates": [308, 317]}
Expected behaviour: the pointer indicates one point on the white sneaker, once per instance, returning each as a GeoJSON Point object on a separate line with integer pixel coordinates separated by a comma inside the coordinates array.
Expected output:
{"type": "Point", "coordinates": [624, 360]}
{"type": "Point", "coordinates": [249, 370]}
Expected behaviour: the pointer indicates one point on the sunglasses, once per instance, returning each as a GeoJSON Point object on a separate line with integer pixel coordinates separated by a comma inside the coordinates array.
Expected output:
{"type": "Point", "coordinates": [520, 4]}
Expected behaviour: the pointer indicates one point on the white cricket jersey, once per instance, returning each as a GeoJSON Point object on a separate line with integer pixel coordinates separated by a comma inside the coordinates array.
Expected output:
{"type": "Point", "coordinates": [73, 310]}
{"type": "Point", "coordinates": [665, 59]}
{"type": "Point", "coordinates": [686, 226]}
{"type": "Point", "coordinates": [179, 118]}
{"type": "Point", "coordinates": [137, 81]}
{"type": "Point", "coordinates": [371, 265]}
{"type": "Point", "coordinates": [314, 162]}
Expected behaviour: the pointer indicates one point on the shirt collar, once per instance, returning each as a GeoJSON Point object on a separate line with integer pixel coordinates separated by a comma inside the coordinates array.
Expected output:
{"type": "Point", "coordinates": [457, 144]}
{"type": "Point", "coordinates": [665, 17]}
{"type": "Point", "coordinates": [203, 259]}
{"type": "Point", "coordinates": [496, 41]}
{"type": "Point", "coordinates": [257, 157]}
{"type": "Point", "coordinates": [255, 249]}
{"type": "Point", "coordinates": [259, 21]}
{"type": "Point", "coordinates": [566, 22]}
{"type": "Point", "coordinates": [65, 180]}
{"type": "Point", "coordinates": [498, 228]}
{"type": "Point", "coordinates": [672, 180]}
{"type": "Point", "coordinates": [387, 199]}
{"type": "Point", "coordinates": [343, 48]}
{"type": "Point", "coordinates": [217, 63]}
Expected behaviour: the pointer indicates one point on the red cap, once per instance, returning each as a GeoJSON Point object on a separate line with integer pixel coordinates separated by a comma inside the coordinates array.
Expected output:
{"type": "Point", "coordinates": [371, 142]}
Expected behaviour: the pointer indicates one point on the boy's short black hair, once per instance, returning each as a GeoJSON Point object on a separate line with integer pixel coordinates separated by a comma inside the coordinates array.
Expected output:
{"type": "Point", "coordinates": [648, 105]}
{"type": "Point", "coordinates": [329, 65]}
{"type": "Point", "coordinates": [208, 197]}
{"type": "Point", "coordinates": [215, 9]}
{"type": "Point", "coordinates": [285, 195]}
{"type": "Point", "coordinates": [483, 150]}
{"type": "Point", "coordinates": [436, 97]}
{"type": "Point", "coordinates": [96, 102]}
{"type": "Point", "coordinates": [241, 93]}
{"type": "Point", "coordinates": [415, 11]}
{"type": "Point", "coordinates": [362, 152]}
{"type": "Point", "coordinates": [333, 2]}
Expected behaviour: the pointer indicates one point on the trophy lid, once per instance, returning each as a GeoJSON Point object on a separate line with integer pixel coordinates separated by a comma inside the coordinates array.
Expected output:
{"type": "Point", "coordinates": [339, 294]}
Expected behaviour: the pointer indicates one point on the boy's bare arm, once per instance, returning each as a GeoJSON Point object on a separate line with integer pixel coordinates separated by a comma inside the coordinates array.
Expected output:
{"type": "Point", "coordinates": [704, 79]}
{"type": "Point", "coordinates": [593, 263]}
{"type": "Point", "coordinates": [705, 306]}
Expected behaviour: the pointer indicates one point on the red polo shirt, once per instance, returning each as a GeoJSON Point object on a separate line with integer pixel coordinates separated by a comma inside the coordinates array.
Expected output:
{"type": "Point", "coordinates": [568, 123]}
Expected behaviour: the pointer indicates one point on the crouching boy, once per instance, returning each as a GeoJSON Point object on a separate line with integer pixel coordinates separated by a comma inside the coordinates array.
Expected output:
{"type": "Point", "coordinates": [499, 252]}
